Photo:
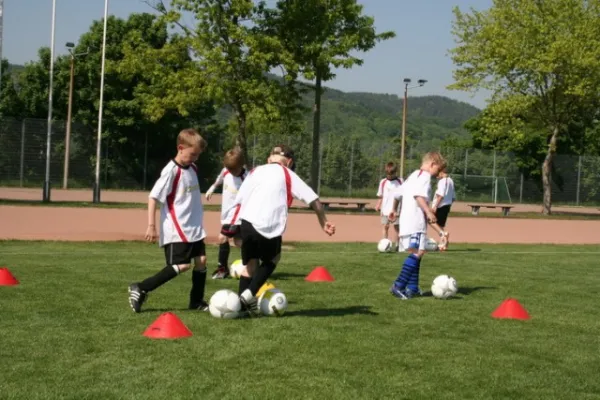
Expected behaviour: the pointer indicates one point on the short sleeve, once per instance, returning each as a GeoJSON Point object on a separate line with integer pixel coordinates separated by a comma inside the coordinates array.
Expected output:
{"type": "Point", "coordinates": [441, 186]}
{"type": "Point", "coordinates": [422, 186]}
{"type": "Point", "coordinates": [164, 185]}
{"type": "Point", "coordinates": [300, 190]}
{"type": "Point", "coordinates": [380, 188]}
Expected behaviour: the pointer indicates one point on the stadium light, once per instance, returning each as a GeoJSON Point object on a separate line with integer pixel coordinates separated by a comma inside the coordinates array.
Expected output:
{"type": "Point", "coordinates": [96, 198]}
{"type": "Point", "coordinates": [407, 81]}
{"type": "Point", "coordinates": [46, 190]}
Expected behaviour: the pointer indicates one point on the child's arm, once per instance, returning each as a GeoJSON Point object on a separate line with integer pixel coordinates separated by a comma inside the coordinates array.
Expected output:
{"type": "Point", "coordinates": [218, 182]}
{"type": "Point", "coordinates": [151, 230]}
{"type": "Point", "coordinates": [327, 226]}
{"type": "Point", "coordinates": [422, 202]}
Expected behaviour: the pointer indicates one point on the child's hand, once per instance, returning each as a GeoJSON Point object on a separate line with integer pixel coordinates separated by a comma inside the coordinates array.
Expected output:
{"type": "Point", "coordinates": [431, 217]}
{"type": "Point", "coordinates": [329, 228]}
{"type": "Point", "coordinates": [208, 196]}
{"type": "Point", "coordinates": [392, 216]}
{"type": "Point", "coordinates": [151, 233]}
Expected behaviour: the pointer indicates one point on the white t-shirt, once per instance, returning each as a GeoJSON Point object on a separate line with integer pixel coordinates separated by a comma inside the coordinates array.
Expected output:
{"type": "Point", "coordinates": [181, 212]}
{"type": "Point", "coordinates": [265, 196]}
{"type": "Point", "coordinates": [231, 186]}
{"type": "Point", "coordinates": [386, 191]}
{"type": "Point", "coordinates": [445, 188]}
{"type": "Point", "coordinates": [412, 217]}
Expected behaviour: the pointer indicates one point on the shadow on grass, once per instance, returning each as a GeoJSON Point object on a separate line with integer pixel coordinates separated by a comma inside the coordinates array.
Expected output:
{"type": "Point", "coordinates": [465, 291]}
{"type": "Point", "coordinates": [283, 276]}
{"type": "Point", "coordinates": [451, 250]}
{"type": "Point", "coordinates": [332, 312]}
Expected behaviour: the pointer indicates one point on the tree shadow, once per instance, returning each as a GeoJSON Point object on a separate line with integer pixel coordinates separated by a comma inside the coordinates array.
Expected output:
{"type": "Point", "coordinates": [332, 312]}
{"type": "Point", "coordinates": [282, 276]}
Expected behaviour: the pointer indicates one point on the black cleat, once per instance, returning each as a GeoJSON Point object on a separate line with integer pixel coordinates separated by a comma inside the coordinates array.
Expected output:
{"type": "Point", "coordinates": [137, 297]}
{"type": "Point", "coordinates": [201, 306]}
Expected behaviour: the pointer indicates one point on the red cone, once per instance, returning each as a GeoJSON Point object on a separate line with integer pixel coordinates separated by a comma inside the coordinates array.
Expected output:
{"type": "Point", "coordinates": [319, 274]}
{"type": "Point", "coordinates": [6, 278]}
{"type": "Point", "coordinates": [167, 326]}
{"type": "Point", "coordinates": [512, 309]}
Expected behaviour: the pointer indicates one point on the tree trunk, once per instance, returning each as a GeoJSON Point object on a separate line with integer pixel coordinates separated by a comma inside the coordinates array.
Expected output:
{"type": "Point", "coordinates": [547, 173]}
{"type": "Point", "coordinates": [314, 165]}
{"type": "Point", "coordinates": [241, 136]}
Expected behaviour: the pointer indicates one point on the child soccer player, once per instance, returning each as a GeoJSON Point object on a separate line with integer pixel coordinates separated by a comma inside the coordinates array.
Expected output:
{"type": "Point", "coordinates": [387, 187]}
{"type": "Point", "coordinates": [414, 215]}
{"type": "Point", "coordinates": [231, 177]}
{"type": "Point", "coordinates": [444, 197]}
{"type": "Point", "coordinates": [262, 208]}
{"type": "Point", "coordinates": [181, 217]}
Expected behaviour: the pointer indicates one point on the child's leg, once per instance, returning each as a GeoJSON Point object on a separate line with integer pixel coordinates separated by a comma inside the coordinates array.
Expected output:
{"type": "Point", "coordinates": [397, 232]}
{"type": "Point", "coordinates": [413, 280]}
{"type": "Point", "coordinates": [385, 226]}
{"type": "Point", "coordinates": [223, 251]}
{"type": "Point", "coordinates": [246, 276]}
{"type": "Point", "coordinates": [410, 268]}
{"type": "Point", "coordinates": [197, 301]}
{"type": "Point", "coordinates": [263, 272]}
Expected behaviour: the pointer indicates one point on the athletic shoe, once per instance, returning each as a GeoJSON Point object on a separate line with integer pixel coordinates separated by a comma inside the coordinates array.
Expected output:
{"type": "Point", "coordinates": [221, 273]}
{"type": "Point", "coordinates": [250, 307]}
{"type": "Point", "coordinates": [202, 306]}
{"type": "Point", "coordinates": [137, 297]}
{"type": "Point", "coordinates": [402, 294]}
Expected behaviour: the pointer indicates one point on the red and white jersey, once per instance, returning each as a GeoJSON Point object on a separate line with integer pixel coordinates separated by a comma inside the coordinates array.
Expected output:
{"type": "Point", "coordinates": [265, 196]}
{"type": "Point", "coordinates": [231, 186]}
{"type": "Point", "coordinates": [445, 188]}
{"type": "Point", "coordinates": [412, 217]}
{"type": "Point", "coordinates": [387, 189]}
{"type": "Point", "coordinates": [181, 213]}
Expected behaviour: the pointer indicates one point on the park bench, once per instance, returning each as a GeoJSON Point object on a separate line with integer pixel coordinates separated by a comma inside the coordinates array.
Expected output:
{"type": "Point", "coordinates": [360, 204]}
{"type": "Point", "coordinates": [505, 208]}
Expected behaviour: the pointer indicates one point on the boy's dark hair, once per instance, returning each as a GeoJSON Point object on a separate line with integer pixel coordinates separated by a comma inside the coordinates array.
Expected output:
{"type": "Point", "coordinates": [391, 168]}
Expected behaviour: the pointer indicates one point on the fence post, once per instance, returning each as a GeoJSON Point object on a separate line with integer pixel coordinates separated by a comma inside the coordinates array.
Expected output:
{"type": "Point", "coordinates": [351, 167]}
{"type": "Point", "coordinates": [578, 181]}
{"type": "Point", "coordinates": [521, 190]}
{"type": "Point", "coordinates": [22, 166]}
{"type": "Point", "coordinates": [495, 184]}
{"type": "Point", "coordinates": [145, 161]}
{"type": "Point", "coordinates": [320, 166]}
{"type": "Point", "coordinates": [466, 164]}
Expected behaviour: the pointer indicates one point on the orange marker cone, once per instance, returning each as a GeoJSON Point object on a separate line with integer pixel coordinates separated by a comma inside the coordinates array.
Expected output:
{"type": "Point", "coordinates": [167, 326]}
{"type": "Point", "coordinates": [6, 278]}
{"type": "Point", "coordinates": [319, 274]}
{"type": "Point", "coordinates": [511, 309]}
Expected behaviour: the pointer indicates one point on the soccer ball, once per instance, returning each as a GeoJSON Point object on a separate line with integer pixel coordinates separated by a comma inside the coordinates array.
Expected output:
{"type": "Point", "coordinates": [444, 286]}
{"type": "Point", "coordinates": [431, 245]}
{"type": "Point", "coordinates": [272, 302]}
{"type": "Point", "coordinates": [236, 269]}
{"type": "Point", "coordinates": [225, 304]}
{"type": "Point", "coordinates": [384, 245]}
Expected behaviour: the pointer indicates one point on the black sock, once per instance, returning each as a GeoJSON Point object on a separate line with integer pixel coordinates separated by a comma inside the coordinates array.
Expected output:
{"type": "Point", "coordinates": [198, 284]}
{"type": "Point", "coordinates": [224, 255]}
{"type": "Point", "coordinates": [244, 284]}
{"type": "Point", "coordinates": [163, 276]}
{"type": "Point", "coordinates": [263, 272]}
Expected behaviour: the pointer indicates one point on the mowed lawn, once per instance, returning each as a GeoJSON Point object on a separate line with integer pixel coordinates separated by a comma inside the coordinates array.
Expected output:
{"type": "Point", "coordinates": [67, 330]}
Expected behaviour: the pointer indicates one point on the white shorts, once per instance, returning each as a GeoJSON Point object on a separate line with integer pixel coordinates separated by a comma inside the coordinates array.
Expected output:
{"type": "Point", "coordinates": [386, 221]}
{"type": "Point", "coordinates": [415, 241]}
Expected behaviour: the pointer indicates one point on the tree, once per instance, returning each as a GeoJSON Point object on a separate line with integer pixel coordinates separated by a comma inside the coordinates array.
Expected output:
{"type": "Point", "coordinates": [540, 60]}
{"type": "Point", "coordinates": [320, 35]}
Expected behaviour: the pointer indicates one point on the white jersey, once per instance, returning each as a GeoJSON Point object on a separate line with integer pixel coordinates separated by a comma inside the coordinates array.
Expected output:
{"type": "Point", "coordinates": [387, 189]}
{"type": "Point", "coordinates": [412, 217]}
{"type": "Point", "coordinates": [445, 188]}
{"type": "Point", "coordinates": [231, 186]}
{"type": "Point", "coordinates": [181, 212]}
{"type": "Point", "coordinates": [266, 195]}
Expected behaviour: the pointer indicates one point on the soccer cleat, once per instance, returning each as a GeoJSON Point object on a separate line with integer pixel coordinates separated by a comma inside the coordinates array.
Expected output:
{"type": "Point", "coordinates": [201, 306]}
{"type": "Point", "coordinates": [250, 307]}
{"type": "Point", "coordinates": [402, 294]}
{"type": "Point", "coordinates": [411, 293]}
{"type": "Point", "coordinates": [137, 297]}
{"type": "Point", "coordinates": [221, 273]}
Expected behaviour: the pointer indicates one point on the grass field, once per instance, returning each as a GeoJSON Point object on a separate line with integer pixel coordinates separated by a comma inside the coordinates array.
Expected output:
{"type": "Point", "coordinates": [67, 331]}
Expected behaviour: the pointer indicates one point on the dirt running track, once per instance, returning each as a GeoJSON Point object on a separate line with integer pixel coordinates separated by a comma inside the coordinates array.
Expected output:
{"type": "Point", "coordinates": [84, 224]}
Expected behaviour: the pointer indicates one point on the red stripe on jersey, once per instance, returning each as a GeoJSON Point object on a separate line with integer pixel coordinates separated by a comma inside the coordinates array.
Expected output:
{"type": "Point", "coordinates": [225, 173]}
{"type": "Point", "coordinates": [382, 185]}
{"type": "Point", "coordinates": [171, 206]}
{"type": "Point", "coordinates": [194, 167]}
{"type": "Point", "coordinates": [420, 172]}
{"type": "Point", "coordinates": [288, 186]}
{"type": "Point", "coordinates": [399, 180]}
{"type": "Point", "coordinates": [235, 214]}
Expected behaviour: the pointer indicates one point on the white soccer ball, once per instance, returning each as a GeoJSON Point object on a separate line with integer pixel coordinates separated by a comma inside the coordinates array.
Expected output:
{"type": "Point", "coordinates": [236, 269]}
{"type": "Point", "coordinates": [431, 245]}
{"type": "Point", "coordinates": [272, 302]}
{"type": "Point", "coordinates": [384, 246]}
{"type": "Point", "coordinates": [444, 286]}
{"type": "Point", "coordinates": [225, 304]}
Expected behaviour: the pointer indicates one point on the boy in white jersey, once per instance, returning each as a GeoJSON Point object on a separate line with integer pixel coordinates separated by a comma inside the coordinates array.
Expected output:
{"type": "Point", "coordinates": [414, 216]}
{"type": "Point", "coordinates": [387, 187]}
{"type": "Point", "coordinates": [262, 209]}
{"type": "Point", "coordinates": [181, 223]}
{"type": "Point", "coordinates": [231, 177]}
{"type": "Point", "coordinates": [443, 198]}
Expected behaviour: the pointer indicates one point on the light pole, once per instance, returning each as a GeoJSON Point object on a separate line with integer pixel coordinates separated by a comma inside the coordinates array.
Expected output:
{"type": "Point", "coordinates": [70, 46]}
{"type": "Point", "coordinates": [96, 194]}
{"type": "Point", "coordinates": [407, 81]}
{"type": "Point", "coordinates": [46, 191]}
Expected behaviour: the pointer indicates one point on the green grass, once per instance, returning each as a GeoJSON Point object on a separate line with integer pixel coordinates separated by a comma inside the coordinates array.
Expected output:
{"type": "Point", "coordinates": [67, 331]}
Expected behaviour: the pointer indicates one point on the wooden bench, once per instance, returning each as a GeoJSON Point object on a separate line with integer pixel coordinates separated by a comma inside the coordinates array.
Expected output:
{"type": "Point", "coordinates": [361, 205]}
{"type": "Point", "coordinates": [475, 208]}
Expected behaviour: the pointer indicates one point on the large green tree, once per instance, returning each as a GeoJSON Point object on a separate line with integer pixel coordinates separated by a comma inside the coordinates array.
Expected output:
{"type": "Point", "coordinates": [540, 60]}
{"type": "Point", "coordinates": [322, 35]}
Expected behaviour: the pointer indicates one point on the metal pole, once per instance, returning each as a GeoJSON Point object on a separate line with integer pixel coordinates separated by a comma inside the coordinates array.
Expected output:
{"type": "Point", "coordinates": [145, 160]}
{"type": "Point", "coordinates": [403, 139]}
{"type": "Point", "coordinates": [466, 164]}
{"type": "Point", "coordinates": [68, 132]}
{"type": "Point", "coordinates": [320, 168]}
{"type": "Point", "coordinates": [22, 166]}
{"type": "Point", "coordinates": [351, 167]}
{"type": "Point", "coordinates": [521, 190]}
{"type": "Point", "coordinates": [578, 181]}
{"type": "Point", "coordinates": [46, 190]}
{"type": "Point", "coordinates": [494, 184]}
{"type": "Point", "coordinates": [100, 109]}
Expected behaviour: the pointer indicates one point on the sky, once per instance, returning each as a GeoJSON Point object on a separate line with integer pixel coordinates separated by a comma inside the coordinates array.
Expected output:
{"type": "Point", "coordinates": [419, 50]}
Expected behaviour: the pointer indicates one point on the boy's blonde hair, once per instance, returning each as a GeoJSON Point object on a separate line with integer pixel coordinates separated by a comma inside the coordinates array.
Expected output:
{"type": "Point", "coordinates": [190, 138]}
{"type": "Point", "coordinates": [234, 159]}
{"type": "Point", "coordinates": [436, 158]}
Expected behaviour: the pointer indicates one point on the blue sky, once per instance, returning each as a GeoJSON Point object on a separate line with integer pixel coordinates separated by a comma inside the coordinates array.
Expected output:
{"type": "Point", "coordinates": [420, 49]}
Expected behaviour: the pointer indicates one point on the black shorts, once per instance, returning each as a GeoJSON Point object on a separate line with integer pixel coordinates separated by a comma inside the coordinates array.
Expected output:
{"type": "Point", "coordinates": [183, 253]}
{"type": "Point", "coordinates": [256, 246]}
{"type": "Point", "coordinates": [441, 214]}
{"type": "Point", "coordinates": [230, 231]}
